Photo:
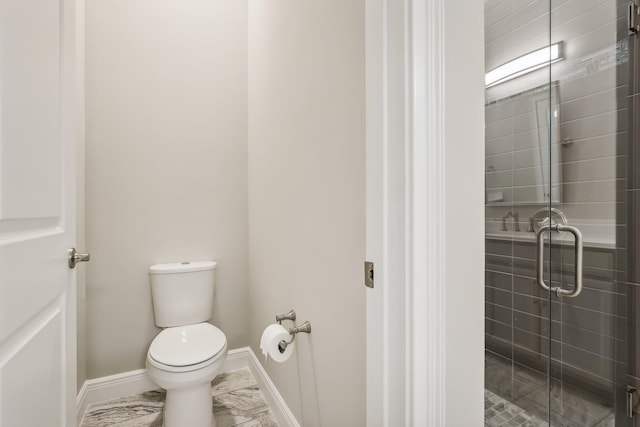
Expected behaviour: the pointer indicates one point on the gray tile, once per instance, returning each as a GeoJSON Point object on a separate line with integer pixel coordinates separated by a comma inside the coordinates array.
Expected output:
{"type": "Point", "coordinates": [500, 418]}
{"type": "Point", "coordinates": [498, 280]}
{"type": "Point", "coordinates": [497, 329]}
{"type": "Point", "coordinates": [232, 380]}
{"type": "Point", "coordinates": [503, 413]}
{"type": "Point", "coordinates": [633, 198]}
{"type": "Point", "coordinates": [609, 421]}
{"type": "Point", "coordinates": [535, 422]}
{"type": "Point", "coordinates": [239, 406]}
{"type": "Point", "coordinates": [500, 314]}
{"type": "Point", "coordinates": [500, 407]}
{"type": "Point", "coordinates": [530, 376]}
{"type": "Point", "coordinates": [519, 419]}
{"type": "Point", "coordinates": [263, 419]}
{"type": "Point", "coordinates": [530, 405]}
{"type": "Point", "coordinates": [151, 420]}
{"type": "Point", "coordinates": [237, 400]}
{"type": "Point", "coordinates": [126, 408]}
{"type": "Point", "coordinates": [577, 404]}
{"type": "Point", "coordinates": [515, 411]}
{"type": "Point", "coordinates": [489, 413]}
{"type": "Point", "coordinates": [251, 423]}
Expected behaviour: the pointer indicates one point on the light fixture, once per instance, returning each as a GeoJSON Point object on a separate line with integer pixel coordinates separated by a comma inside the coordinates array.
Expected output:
{"type": "Point", "coordinates": [525, 64]}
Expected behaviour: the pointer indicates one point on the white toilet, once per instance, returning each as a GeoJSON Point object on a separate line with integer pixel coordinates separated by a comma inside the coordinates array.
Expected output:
{"type": "Point", "coordinates": [186, 356]}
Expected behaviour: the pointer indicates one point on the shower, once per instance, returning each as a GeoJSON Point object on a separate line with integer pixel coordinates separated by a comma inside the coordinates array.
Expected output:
{"type": "Point", "coordinates": [561, 213]}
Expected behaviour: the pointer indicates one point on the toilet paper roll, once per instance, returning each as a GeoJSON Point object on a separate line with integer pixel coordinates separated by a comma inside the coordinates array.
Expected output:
{"type": "Point", "coordinates": [271, 337]}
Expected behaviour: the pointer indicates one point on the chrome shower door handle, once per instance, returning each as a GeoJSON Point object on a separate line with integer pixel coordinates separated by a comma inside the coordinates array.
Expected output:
{"type": "Point", "coordinates": [540, 257]}
{"type": "Point", "coordinates": [577, 235]}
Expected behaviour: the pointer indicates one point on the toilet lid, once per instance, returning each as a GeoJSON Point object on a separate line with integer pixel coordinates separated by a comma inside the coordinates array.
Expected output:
{"type": "Point", "coordinates": [187, 345]}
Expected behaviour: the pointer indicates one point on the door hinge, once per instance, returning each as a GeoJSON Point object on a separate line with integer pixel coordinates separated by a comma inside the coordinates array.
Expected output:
{"type": "Point", "coordinates": [368, 274]}
{"type": "Point", "coordinates": [633, 18]}
{"type": "Point", "coordinates": [632, 401]}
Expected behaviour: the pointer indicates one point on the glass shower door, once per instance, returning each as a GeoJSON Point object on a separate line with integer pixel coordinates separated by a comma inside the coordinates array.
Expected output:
{"type": "Point", "coordinates": [520, 107]}
{"type": "Point", "coordinates": [560, 213]}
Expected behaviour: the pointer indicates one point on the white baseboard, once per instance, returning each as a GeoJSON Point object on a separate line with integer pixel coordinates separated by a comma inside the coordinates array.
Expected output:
{"type": "Point", "coordinates": [81, 404]}
{"type": "Point", "coordinates": [133, 382]}
{"type": "Point", "coordinates": [112, 387]}
{"type": "Point", "coordinates": [278, 406]}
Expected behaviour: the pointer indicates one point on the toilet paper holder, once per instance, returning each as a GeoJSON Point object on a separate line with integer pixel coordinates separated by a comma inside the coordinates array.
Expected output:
{"type": "Point", "coordinates": [305, 327]}
{"type": "Point", "coordinates": [289, 316]}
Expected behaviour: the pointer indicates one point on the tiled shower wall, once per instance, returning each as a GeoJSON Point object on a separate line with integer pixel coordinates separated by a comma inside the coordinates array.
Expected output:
{"type": "Point", "coordinates": [591, 123]}
{"type": "Point", "coordinates": [588, 335]}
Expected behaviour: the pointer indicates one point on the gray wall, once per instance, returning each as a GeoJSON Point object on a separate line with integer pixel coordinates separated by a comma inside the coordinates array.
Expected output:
{"type": "Point", "coordinates": [166, 164]}
{"type": "Point", "coordinates": [306, 199]}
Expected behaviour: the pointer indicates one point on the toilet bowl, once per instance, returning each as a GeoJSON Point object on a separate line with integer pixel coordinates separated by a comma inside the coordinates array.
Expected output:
{"type": "Point", "coordinates": [188, 353]}
{"type": "Point", "coordinates": [184, 360]}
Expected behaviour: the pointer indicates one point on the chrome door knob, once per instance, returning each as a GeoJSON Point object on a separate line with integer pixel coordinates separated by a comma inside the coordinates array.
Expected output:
{"type": "Point", "coordinates": [75, 257]}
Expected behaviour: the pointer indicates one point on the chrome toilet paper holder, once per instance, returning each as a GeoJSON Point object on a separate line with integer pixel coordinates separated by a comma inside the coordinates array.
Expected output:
{"type": "Point", "coordinates": [289, 316]}
{"type": "Point", "coordinates": [305, 327]}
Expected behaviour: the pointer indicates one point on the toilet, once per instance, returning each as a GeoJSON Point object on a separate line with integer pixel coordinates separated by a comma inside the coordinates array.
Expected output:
{"type": "Point", "coordinates": [187, 354]}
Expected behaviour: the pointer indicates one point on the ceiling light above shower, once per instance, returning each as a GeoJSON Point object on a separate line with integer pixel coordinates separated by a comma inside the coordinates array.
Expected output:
{"type": "Point", "coordinates": [525, 64]}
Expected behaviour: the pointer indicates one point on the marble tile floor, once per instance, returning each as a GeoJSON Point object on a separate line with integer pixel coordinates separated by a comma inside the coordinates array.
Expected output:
{"type": "Point", "coordinates": [500, 412]}
{"type": "Point", "coordinates": [236, 399]}
{"type": "Point", "coordinates": [527, 390]}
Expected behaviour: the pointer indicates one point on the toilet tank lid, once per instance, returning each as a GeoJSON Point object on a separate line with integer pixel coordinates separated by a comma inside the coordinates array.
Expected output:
{"type": "Point", "coordinates": [182, 267]}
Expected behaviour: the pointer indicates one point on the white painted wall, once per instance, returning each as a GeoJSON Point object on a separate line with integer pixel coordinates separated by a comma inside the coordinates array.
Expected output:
{"type": "Point", "coordinates": [166, 164]}
{"type": "Point", "coordinates": [306, 199]}
{"type": "Point", "coordinates": [464, 206]}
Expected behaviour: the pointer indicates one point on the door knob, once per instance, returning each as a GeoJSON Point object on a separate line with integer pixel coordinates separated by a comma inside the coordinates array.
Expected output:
{"type": "Point", "coordinates": [75, 257]}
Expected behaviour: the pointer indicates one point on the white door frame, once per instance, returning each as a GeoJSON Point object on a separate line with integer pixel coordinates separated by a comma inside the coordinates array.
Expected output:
{"type": "Point", "coordinates": [78, 149]}
{"type": "Point", "coordinates": [73, 98]}
{"type": "Point", "coordinates": [425, 218]}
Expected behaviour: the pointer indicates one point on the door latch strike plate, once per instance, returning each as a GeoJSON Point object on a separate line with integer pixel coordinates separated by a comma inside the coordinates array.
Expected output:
{"type": "Point", "coordinates": [368, 274]}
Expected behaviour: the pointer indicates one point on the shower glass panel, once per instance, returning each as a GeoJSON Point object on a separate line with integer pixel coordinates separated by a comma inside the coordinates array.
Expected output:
{"type": "Point", "coordinates": [562, 213]}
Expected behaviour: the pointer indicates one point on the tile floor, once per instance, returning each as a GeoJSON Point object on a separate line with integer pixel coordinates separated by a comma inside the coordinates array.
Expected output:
{"type": "Point", "coordinates": [514, 389]}
{"type": "Point", "coordinates": [501, 412]}
{"type": "Point", "coordinates": [237, 401]}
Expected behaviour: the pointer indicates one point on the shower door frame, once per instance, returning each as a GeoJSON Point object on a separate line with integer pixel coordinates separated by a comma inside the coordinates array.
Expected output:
{"type": "Point", "coordinates": [425, 200]}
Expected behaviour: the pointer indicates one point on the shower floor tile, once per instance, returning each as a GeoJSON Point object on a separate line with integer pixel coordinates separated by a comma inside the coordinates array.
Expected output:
{"type": "Point", "coordinates": [500, 412]}
{"type": "Point", "coordinates": [236, 401]}
{"type": "Point", "coordinates": [527, 390]}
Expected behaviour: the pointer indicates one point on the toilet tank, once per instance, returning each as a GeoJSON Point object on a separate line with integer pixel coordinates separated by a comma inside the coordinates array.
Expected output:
{"type": "Point", "coordinates": [182, 292]}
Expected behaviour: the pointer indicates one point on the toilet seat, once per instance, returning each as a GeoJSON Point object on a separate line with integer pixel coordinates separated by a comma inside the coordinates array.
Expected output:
{"type": "Point", "coordinates": [187, 348]}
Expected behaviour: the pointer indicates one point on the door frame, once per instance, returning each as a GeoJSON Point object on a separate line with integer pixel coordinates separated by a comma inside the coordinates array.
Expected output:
{"type": "Point", "coordinates": [75, 353]}
{"type": "Point", "coordinates": [425, 219]}
{"type": "Point", "coordinates": [73, 87]}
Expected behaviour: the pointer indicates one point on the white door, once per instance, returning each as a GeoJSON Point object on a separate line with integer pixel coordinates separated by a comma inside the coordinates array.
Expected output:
{"type": "Point", "coordinates": [37, 213]}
